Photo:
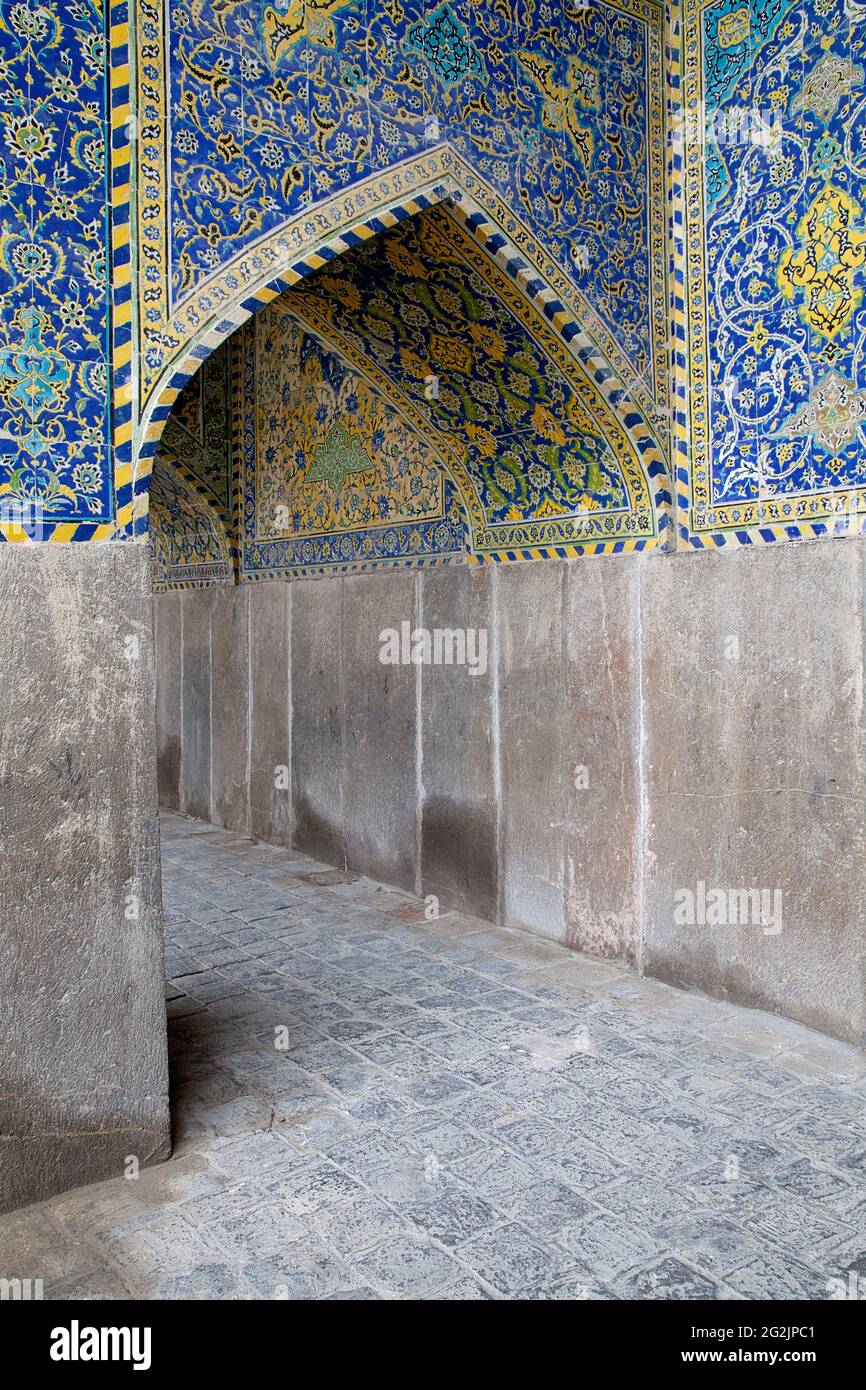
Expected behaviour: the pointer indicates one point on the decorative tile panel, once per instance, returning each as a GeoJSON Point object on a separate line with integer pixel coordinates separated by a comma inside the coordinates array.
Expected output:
{"type": "Point", "coordinates": [55, 310]}
{"type": "Point", "coordinates": [405, 403]}
{"type": "Point", "coordinates": [776, 269]}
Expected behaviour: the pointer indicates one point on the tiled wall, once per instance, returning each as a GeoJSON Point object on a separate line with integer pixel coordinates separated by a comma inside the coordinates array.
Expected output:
{"type": "Point", "coordinates": [557, 107]}
{"type": "Point", "coordinates": [776, 187]}
{"type": "Point", "coordinates": [268, 137]}
{"type": "Point", "coordinates": [55, 250]}
{"type": "Point", "coordinates": [297, 131]}
{"type": "Point", "coordinates": [551, 114]}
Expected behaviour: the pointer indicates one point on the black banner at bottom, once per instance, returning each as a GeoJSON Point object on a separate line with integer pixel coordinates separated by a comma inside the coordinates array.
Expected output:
{"type": "Point", "coordinates": [80, 1339]}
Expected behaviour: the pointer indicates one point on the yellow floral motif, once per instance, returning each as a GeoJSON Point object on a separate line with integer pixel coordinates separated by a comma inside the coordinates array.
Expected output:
{"type": "Point", "coordinates": [492, 344]}
{"type": "Point", "coordinates": [547, 426]}
{"type": "Point", "coordinates": [413, 364]}
{"type": "Point", "coordinates": [342, 291]}
{"type": "Point", "coordinates": [548, 508]}
{"type": "Point", "coordinates": [759, 337]}
{"type": "Point", "coordinates": [286, 23]}
{"type": "Point", "coordinates": [733, 28]}
{"type": "Point", "coordinates": [823, 269]}
{"type": "Point", "coordinates": [450, 352]}
{"type": "Point", "coordinates": [560, 111]}
{"type": "Point", "coordinates": [403, 259]}
{"type": "Point", "coordinates": [484, 441]}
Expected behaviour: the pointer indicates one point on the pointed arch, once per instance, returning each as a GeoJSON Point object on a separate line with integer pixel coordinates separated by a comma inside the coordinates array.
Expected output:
{"type": "Point", "coordinates": [308, 243]}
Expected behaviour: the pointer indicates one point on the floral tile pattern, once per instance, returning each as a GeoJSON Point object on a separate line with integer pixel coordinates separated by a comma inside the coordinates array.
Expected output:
{"type": "Point", "coordinates": [778, 268]}
{"type": "Point", "coordinates": [332, 472]}
{"type": "Point", "coordinates": [405, 404]}
{"type": "Point", "coordinates": [55, 419]}
{"type": "Point", "coordinates": [191, 503]}
{"type": "Point", "coordinates": [273, 107]}
{"type": "Point", "coordinates": [265, 130]}
{"type": "Point", "coordinates": [418, 307]}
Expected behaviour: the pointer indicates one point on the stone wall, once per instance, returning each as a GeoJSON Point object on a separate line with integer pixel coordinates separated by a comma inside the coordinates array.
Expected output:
{"type": "Point", "coordinates": [82, 1012]}
{"type": "Point", "coordinates": [753, 767]}
{"type": "Point", "coordinates": [425, 776]}
{"type": "Point", "coordinates": [646, 725]}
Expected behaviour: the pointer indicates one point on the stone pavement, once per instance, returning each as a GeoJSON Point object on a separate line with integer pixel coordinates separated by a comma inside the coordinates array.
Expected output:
{"type": "Point", "coordinates": [371, 1105]}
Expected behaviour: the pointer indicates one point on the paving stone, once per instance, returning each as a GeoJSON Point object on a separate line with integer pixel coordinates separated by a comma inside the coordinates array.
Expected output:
{"type": "Point", "coordinates": [513, 1261]}
{"type": "Point", "coordinates": [479, 1109]}
{"type": "Point", "coordinates": [667, 1279]}
{"type": "Point", "coordinates": [464, 1289]}
{"type": "Point", "coordinates": [825, 1140]}
{"type": "Point", "coordinates": [251, 1155]}
{"type": "Point", "coordinates": [450, 1044]}
{"type": "Point", "coordinates": [261, 1231]}
{"type": "Point", "coordinates": [308, 1269]}
{"type": "Point", "coordinates": [454, 1217]}
{"type": "Point", "coordinates": [495, 1171]}
{"type": "Point", "coordinates": [799, 1226]}
{"type": "Point", "coordinates": [349, 1295]}
{"type": "Point", "coordinates": [209, 1282]}
{"type": "Point", "coordinates": [307, 1189]}
{"type": "Point", "coordinates": [398, 1056]}
{"type": "Point", "coordinates": [587, 1168]}
{"type": "Point", "coordinates": [316, 1131]}
{"type": "Point", "coordinates": [819, 1186]}
{"type": "Point", "coordinates": [351, 1077]}
{"type": "Point", "coordinates": [547, 1207]}
{"type": "Point", "coordinates": [438, 1089]}
{"type": "Point", "coordinates": [533, 1137]}
{"type": "Point", "coordinates": [642, 1203]}
{"type": "Point", "coordinates": [489, 1069]}
{"type": "Point", "coordinates": [148, 1251]}
{"type": "Point", "coordinates": [710, 1244]}
{"type": "Point", "coordinates": [463, 1113]}
{"type": "Point", "coordinates": [578, 1285]}
{"type": "Point", "coordinates": [361, 1224]}
{"type": "Point", "coordinates": [775, 1278]}
{"type": "Point", "coordinates": [850, 1256]}
{"type": "Point", "coordinates": [608, 1245]}
{"type": "Point", "coordinates": [408, 1268]}
{"type": "Point", "coordinates": [237, 1116]}
{"type": "Point", "coordinates": [717, 1188]}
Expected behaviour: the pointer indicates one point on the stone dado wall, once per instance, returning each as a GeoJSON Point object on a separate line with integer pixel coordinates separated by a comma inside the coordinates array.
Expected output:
{"type": "Point", "coordinates": [83, 1064]}
{"type": "Point", "coordinates": [717, 750]}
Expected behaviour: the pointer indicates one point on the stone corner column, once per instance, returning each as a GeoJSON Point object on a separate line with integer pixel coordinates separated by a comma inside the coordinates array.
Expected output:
{"type": "Point", "coordinates": [83, 1062]}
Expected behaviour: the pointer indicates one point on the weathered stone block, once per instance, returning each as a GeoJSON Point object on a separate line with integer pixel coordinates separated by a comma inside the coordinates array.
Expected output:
{"type": "Point", "coordinates": [602, 792]}
{"type": "Point", "coordinates": [82, 1013]}
{"type": "Point", "coordinates": [533, 753]}
{"type": "Point", "coordinates": [270, 704]}
{"type": "Point", "coordinates": [459, 814]}
{"type": "Point", "coordinates": [195, 752]}
{"type": "Point", "coordinates": [230, 687]}
{"type": "Point", "coordinates": [380, 804]}
{"type": "Point", "coordinates": [753, 706]}
{"type": "Point", "coordinates": [168, 627]}
{"type": "Point", "coordinates": [317, 719]}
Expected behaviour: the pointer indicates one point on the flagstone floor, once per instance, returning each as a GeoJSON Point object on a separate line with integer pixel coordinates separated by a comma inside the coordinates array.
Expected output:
{"type": "Point", "coordinates": [370, 1105]}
